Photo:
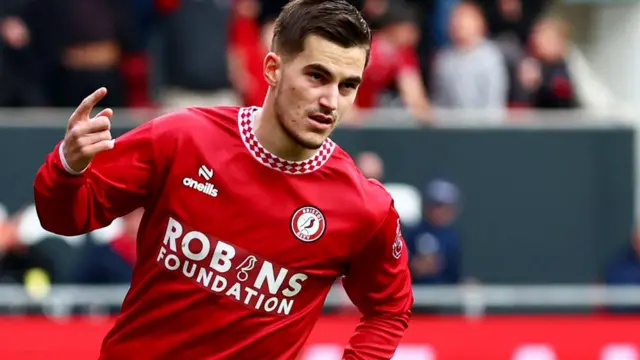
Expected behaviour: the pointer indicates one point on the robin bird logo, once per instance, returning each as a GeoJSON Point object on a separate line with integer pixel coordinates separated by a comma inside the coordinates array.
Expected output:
{"type": "Point", "coordinates": [308, 225]}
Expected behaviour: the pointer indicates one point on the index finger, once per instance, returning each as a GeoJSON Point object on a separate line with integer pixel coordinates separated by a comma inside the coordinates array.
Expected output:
{"type": "Point", "coordinates": [83, 111]}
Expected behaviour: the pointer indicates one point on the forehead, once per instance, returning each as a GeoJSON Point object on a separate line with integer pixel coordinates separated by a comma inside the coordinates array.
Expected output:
{"type": "Point", "coordinates": [342, 62]}
{"type": "Point", "coordinates": [468, 11]}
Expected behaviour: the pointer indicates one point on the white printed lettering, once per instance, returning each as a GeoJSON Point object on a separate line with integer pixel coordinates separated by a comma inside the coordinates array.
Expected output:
{"type": "Point", "coordinates": [172, 262]}
{"type": "Point", "coordinates": [161, 254]}
{"type": "Point", "coordinates": [285, 306]}
{"type": "Point", "coordinates": [219, 283]}
{"type": "Point", "coordinates": [267, 273]}
{"type": "Point", "coordinates": [270, 304]}
{"type": "Point", "coordinates": [295, 285]}
{"type": "Point", "coordinates": [188, 273]}
{"type": "Point", "coordinates": [234, 291]}
{"type": "Point", "coordinates": [204, 276]}
{"type": "Point", "coordinates": [174, 231]}
{"type": "Point", "coordinates": [250, 293]}
{"type": "Point", "coordinates": [221, 261]}
{"type": "Point", "coordinates": [196, 257]}
{"type": "Point", "coordinates": [202, 239]}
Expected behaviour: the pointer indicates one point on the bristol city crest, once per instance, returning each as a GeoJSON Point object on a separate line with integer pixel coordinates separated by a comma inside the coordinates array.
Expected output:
{"type": "Point", "coordinates": [308, 224]}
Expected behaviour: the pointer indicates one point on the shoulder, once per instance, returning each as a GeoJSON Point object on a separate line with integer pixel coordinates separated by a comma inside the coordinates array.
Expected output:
{"type": "Point", "coordinates": [492, 50]}
{"type": "Point", "coordinates": [195, 120]}
{"type": "Point", "coordinates": [368, 197]}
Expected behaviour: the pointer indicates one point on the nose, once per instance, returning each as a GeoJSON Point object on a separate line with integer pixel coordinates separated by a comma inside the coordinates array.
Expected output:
{"type": "Point", "coordinates": [329, 99]}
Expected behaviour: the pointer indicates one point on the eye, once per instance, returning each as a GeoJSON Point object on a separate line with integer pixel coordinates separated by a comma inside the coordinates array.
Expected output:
{"type": "Point", "coordinates": [314, 76]}
{"type": "Point", "coordinates": [350, 85]}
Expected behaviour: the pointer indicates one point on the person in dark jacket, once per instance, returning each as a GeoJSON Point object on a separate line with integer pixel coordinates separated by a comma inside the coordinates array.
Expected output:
{"type": "Point", "coordinates": [625, 270]}
{"type": "Point", "coordinates": [434, 244]}
{"type": "Point", "coordinates": [111, 262]}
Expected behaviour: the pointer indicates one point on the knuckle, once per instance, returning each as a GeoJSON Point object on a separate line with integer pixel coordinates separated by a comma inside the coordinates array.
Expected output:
{"type": "Point", "coordinates": [74, 134]}
{"type": "Point", "coordinates": [85, 151]}
{"type": "Point", "coordinates": [101, 122]}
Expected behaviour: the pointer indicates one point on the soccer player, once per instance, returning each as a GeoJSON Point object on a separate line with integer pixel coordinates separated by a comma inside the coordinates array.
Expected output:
{"type": "Point", "coordinates": [251, 214]}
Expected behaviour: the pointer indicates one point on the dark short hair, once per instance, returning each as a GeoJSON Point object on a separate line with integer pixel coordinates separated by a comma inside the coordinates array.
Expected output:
{"type": "Point", "coordinates": [334, 20]}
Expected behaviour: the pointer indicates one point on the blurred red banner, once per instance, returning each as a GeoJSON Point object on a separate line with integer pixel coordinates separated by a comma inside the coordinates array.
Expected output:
{"type": "Point", "coordinates": [428, 338]}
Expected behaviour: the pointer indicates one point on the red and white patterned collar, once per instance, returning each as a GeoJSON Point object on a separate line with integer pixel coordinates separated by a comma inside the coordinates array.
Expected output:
{"type": "Point", "coordinates": [246, 118]}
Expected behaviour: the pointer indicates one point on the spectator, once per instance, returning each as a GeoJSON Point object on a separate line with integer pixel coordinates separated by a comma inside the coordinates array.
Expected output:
{"type": "Point", "coordinates": [29, 249]}
{"type": "Point", "coordinates": [250, 42]}
{"type": "Point", "coordinates": [371, 165]}
{"type": "Point", "coordinates": [82, 45]}
{"type": "Point", "coordinates": [111, 262]}
{"type": "Point", "coordinates": [512, 20]}
{"type": "Point", "coordinates": [394, 62]}
{"type": "Point", "coordinates": [471, 73]}
{"type": "Point", "coordinates": [544, 75]}
{"type": "Point", "coordinates": [625, 270]}
{"type": "Point", "coordinates": [20, 77]}
{"type": "Point", "coordinates": [434, 245]}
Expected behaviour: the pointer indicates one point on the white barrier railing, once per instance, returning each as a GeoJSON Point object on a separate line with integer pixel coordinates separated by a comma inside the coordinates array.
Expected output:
{"type": "Point", "coordinates": [472, 299]}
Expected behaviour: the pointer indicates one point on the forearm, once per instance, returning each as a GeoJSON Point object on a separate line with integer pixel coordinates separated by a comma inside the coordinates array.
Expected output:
{"type": "Point", "coordinates": [67, 204]}
{"type": "Point", "coordinates": [377, 337]}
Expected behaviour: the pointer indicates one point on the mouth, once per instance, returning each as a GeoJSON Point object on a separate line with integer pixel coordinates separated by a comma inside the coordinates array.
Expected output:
{"type": "Point", "coordinates": [321, 119]}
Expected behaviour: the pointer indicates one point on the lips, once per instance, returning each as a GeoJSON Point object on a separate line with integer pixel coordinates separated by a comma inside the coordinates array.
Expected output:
{"type": "Point", "coordinates": [322, 119]}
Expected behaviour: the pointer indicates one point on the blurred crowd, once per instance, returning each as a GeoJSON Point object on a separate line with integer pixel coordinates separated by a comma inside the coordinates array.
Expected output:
{"type": "Point", "coordinates": [489, 54]}
{"type": "Point", "coordinates": [33, 257]}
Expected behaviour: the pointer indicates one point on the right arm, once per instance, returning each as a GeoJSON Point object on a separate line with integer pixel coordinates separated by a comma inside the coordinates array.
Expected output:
{"type": "Point", "coordinates": [88, 180]}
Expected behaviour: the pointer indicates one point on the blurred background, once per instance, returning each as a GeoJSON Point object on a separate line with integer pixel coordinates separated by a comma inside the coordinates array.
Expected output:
{"type": "Point", "coordinates": [505, 130]}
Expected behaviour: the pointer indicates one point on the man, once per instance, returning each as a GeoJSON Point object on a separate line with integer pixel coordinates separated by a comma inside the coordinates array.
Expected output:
{"type": "Point", "coordinates": [434, 245]}
{"type": "Point", "coordinates": [250, 213]}
{"type": "Point", "coordinates": [395, 63]}
{"type": "Point", "coordinates": [471, 73]}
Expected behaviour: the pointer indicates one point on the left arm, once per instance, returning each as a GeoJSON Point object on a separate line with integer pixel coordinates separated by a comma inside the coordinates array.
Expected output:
{"type": "Point", "coordinates": [379, 284]}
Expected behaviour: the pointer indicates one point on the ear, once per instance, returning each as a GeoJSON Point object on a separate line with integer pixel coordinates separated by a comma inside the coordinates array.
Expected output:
{"type": "Point", "coordinates": [272, 68]}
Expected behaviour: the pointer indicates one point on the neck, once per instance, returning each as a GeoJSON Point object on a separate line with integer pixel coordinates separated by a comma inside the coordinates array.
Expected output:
{"type": "Point", "coordinates": [274, 138]}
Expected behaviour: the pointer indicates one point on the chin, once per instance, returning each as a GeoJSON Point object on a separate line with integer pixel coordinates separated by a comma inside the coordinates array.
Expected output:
{"type": "Point", "coordinates": [314, 144]}
{"type": "Point", "coordinates": [310, 140]}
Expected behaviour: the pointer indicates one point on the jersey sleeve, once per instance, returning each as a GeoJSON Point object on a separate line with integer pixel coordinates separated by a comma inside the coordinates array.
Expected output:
{"type": "Point", "coordinates": [379, 284]}
{"type": "Point", "coordinates": [116, 182]}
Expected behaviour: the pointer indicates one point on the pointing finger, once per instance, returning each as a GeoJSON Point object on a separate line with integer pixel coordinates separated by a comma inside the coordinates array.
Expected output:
{"type": "Point", "coordinates": [83, 111]}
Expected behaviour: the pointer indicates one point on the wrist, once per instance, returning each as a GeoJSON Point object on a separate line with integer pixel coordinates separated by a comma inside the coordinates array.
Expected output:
{"type": "Point", "coordinates": [66, 165]}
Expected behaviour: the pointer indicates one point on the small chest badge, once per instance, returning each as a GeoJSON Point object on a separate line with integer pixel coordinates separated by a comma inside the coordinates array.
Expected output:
{"type": "Point", "coordinates": [308, 224]}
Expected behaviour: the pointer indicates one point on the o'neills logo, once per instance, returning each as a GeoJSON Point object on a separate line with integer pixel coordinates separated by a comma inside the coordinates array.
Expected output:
{"type": "Point", "coordinates": [225, 269]}
{"type": "Point", "coordinates": [206, 188]}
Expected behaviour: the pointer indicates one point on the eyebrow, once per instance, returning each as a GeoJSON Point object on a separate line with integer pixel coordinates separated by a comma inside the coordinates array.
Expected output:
{"type": "Point", "coordinates": [322, 69]}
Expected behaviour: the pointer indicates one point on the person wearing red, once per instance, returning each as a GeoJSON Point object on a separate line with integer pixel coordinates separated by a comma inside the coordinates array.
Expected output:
{"type": "Point", "coordinates": [394, 63]}
{"type": "Point", "coordinates": [251, 214]}
{"type": "Point", "coordinates": [250, 41]}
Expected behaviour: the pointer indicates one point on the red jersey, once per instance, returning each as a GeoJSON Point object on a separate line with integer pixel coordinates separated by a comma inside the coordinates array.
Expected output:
{"type": "Point", "coordinates": [237, 248]}
{"type": "Point", "coordinates": [386, 63]}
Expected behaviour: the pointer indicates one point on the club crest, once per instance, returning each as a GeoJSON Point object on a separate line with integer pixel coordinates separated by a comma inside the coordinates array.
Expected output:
{"type": "Point", "coordinates": [308, 224]}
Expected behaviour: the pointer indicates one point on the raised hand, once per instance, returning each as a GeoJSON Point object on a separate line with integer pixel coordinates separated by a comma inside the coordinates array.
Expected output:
{"type": "Point", "coordinates": [87, 136]}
